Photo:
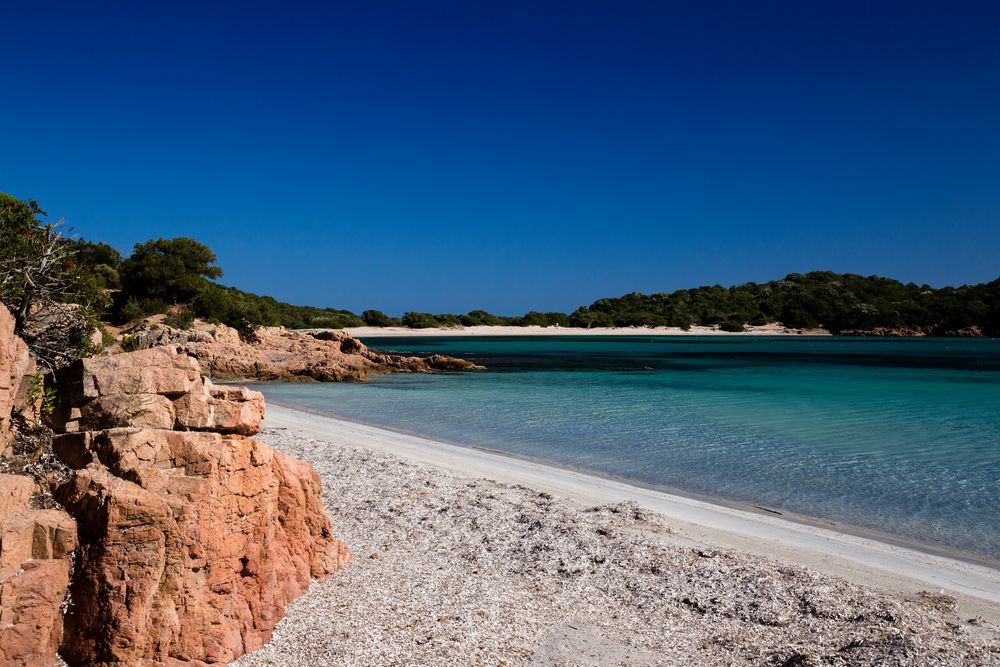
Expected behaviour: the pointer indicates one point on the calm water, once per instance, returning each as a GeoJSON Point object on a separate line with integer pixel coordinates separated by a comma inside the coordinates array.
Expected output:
{"type": "Point", "coordinates": [901, 436]}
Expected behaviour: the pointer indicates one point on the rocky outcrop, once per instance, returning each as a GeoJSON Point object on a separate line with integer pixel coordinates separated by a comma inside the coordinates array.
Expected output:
{"type": "Point", "coordinates": [878, 332]}
{"type": "Point", "coordinates": [155, 388]}
{"type": "Point", "coordinates": [36, 546]}
{"type": "Point", "coordinates": [192, 544]}
{"type": "Point", "coordinates": [282, 354]}
{"type": "Point", "coordinates": [193, 536]}
{"type": "Point", "coordinates": [17, 369]}
{"type": "Point", "coordinates": [972, 331]}
{"type": "Point", "coordinates": [967, 332]}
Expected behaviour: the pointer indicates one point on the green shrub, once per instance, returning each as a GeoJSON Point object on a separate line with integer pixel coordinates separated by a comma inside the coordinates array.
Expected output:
{"type": "Point", "coordinates": [329, 323]}
{"type": "Point", "coordinates": [136, 309]}
{"type": "Point", "coordinates": [107, 339]}
{"type": "Point", "coordinates": [448, 320]}
{"type": "Point", "coordinates": [181, 318]}
{"type": "Point", "coordinates": [476, 318]}
{"type": "Point", "coordinates": [376, 318]}
{"type": "Point", "coordinates": [415, 320]}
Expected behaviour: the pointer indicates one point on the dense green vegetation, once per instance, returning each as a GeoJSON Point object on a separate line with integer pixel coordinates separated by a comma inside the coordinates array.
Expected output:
{"type": "Point", "coordinates": [177, 276]}
{"type": "Point", "coordinates": [837, 302]}
{"type": "Point", "coordinates": [42, 271]}
{"type": "Point", "coordinates": [474, 318]}
{"type": "Point", "coordinates": [59, 288]}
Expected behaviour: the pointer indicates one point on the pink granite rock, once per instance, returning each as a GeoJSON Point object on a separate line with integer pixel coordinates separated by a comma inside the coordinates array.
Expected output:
{"type": "Point", "coordinates": [35, 548]}
{"type": "Point", "coordinates": [195, 542]}
{"type": "Point", "coordinates": [155, 388]}
{"type": "Point", "coordinates": [16, 371]}
{"type": "Point", "coordinates": [281, 354]}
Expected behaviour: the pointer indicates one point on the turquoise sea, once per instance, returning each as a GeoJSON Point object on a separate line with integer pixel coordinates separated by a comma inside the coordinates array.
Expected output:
{"type": "Point", "coordinates": [900, 436]}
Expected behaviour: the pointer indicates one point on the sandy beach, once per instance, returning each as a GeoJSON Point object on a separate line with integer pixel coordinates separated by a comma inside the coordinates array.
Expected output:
{"type": "Point", "coordinates": [765, 330]}
{"type": "Point", "coordinates": [464, 556]}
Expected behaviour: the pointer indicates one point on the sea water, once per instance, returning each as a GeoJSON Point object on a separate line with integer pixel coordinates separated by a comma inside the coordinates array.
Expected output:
{"type": "Point", "coordinates": [900, 436]}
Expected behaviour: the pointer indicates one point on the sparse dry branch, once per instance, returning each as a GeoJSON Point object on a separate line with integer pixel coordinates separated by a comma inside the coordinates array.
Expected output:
{"type": "Point", "coordinates": [40, 283]}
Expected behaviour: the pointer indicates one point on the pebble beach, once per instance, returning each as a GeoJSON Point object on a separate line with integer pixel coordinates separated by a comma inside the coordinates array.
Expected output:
{"type": "Point", "coordinates": [453, 569]}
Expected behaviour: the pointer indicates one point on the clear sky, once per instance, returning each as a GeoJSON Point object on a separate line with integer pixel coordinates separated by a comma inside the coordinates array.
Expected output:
{"type": "Point", "coordinates": [445, 156]}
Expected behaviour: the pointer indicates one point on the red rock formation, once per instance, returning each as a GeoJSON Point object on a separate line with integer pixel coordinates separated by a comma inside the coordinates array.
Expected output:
{"type": "Point", "coordinates": [281, 354]}
{"type": "Point", "coordinates": [192, 536]}
{"type": "Point", "coordinates": [35, 546]}
{"type": "Point", "coordinates": [154, 388]}
{"type": "Point", "coordinates": [972, 331]}
{"type": "Point", "coordinates": [191, 541]}
{"type": "Point", "coordinates": [16, 370]}
{"type": "Point", "coordinates": [884, 332]}
{"type": "Point", "coordinates": [192, 544]}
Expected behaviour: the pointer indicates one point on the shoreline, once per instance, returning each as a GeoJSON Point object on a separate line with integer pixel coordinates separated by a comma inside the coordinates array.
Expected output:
{"type": "Point", "coordinates": [880, 537]}
{"type": "Point", "coordinates": [404, 332]}
{"type": "Point", "coordinates": [838, 551]}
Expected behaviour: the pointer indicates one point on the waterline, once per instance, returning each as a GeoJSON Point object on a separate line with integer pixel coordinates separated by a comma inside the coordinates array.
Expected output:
{"type": "Point", "coordinates": [899, 439]}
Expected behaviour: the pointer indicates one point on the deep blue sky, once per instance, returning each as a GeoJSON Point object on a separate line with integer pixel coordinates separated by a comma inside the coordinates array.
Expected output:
{"type": "Point", "coordinates": [445, 156]}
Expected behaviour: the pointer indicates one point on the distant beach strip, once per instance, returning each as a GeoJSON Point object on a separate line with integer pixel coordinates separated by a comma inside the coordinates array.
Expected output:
{"type": "Point", "coordinates": [773, 329]}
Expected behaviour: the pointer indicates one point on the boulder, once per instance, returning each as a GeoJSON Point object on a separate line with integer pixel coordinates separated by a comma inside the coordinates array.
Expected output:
{"type": "Point", "coordinates": [159, 370]}
{"type": "Point", "coordinates": [236, 409]}
{"type": "Point", "coordinates": [35, 550]}
{"type": "Point", "coordinates": [158, 388]}
{"type": "Point", "coordinates": [147, 410]}
{"type": "Point", "coordinates": [194, 543]}
{"type": "Point", "coordinates": [223, 408]}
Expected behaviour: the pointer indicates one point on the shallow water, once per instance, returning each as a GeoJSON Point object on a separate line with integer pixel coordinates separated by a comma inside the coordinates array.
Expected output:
{"type": "Point", "coordinates": [896, 435]}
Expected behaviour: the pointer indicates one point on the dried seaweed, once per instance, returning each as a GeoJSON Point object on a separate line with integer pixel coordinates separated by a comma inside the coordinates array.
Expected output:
{"type": "Point", "coordinates": [32, 455]}
{"type": "Point", "coordinates": [450, 570]}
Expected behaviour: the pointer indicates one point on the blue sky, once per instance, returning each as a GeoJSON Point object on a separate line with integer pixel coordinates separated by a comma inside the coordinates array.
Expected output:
{"type": "Point", "coordinates": [445, 156]}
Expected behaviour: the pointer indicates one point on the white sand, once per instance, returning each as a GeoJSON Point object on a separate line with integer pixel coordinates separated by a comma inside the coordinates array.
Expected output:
{"type": "Point", "coordinates": [856, 558]}
{"type": "Point", "coordinates": [550, 568]}
{"type": "Point", "coordinates": [766, 330]}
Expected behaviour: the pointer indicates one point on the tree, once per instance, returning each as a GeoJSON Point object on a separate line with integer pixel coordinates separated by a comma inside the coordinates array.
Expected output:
{"type": "Point", "coordinates": [172, 270]}
{"type": "Point", "coordinates": [376, 318]}
{"type": "Point", "coordinates": [536, 319]}
{"type": "Point", "coordinates": [476, 318]}
{"type": "Point", "coordinates": [99, 260]}
{"type": "Point", "coordinates": [41, 283]}
{"type": "Point", "coordinates": [240, 310]}
{"type": "Point", "coordinates": [415, 320]}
